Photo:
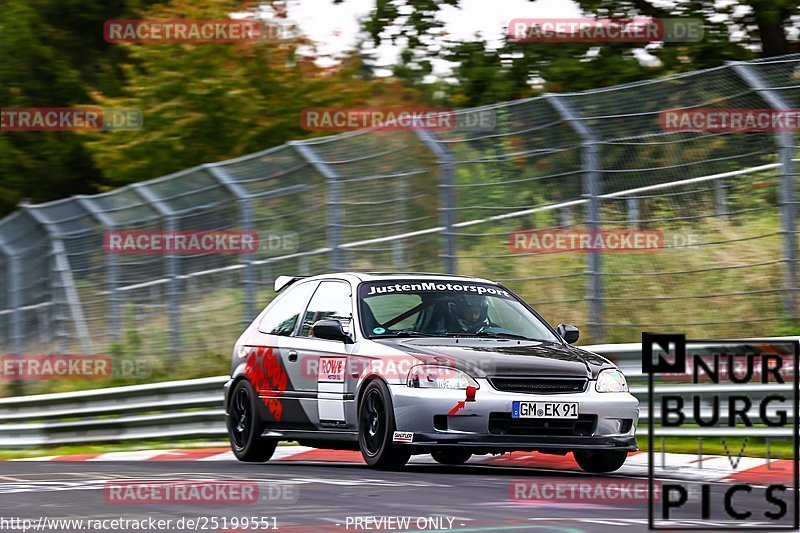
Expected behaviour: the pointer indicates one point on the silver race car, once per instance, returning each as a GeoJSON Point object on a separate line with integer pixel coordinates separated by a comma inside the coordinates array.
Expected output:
{"type": "Point", "coordinates": [403, 364]}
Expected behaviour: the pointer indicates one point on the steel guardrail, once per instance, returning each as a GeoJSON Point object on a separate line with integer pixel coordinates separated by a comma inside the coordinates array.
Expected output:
{"type": "Point", "coordinates": [189, 409]}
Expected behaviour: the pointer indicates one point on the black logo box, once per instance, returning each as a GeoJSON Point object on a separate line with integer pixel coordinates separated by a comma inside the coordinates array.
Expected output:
{"type": "Point", "coordinates": [678, 365]}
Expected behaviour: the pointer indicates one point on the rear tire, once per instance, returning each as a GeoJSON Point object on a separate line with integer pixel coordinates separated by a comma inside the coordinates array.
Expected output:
{"type": "Point", "coordinates": [451, 457]}
{"type": "Point", "coordinates": [245, 426]}
{"type": "Point", "coordinates": [376, 427]}
{"type": "Point", "coordinates": [600, 461]}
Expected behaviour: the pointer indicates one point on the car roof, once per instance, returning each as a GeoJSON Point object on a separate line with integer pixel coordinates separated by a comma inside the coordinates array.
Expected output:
{"type": "Point", "coordinates": [374, 276]}
{"type": "Point", "coordinates": [384, 276]}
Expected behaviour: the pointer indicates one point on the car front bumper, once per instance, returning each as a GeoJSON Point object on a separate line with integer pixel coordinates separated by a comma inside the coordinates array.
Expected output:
{"type": "Point", "coordinates": [440, 417]}
{"type": "Point", "coordinates": [526, 442]}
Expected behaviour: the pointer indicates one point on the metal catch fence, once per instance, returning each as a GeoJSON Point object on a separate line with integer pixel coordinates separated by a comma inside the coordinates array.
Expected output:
{"type": "Point", "coordinates": [443, 201]}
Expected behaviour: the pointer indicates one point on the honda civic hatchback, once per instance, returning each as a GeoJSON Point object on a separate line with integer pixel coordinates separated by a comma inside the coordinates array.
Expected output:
{"type": "Point", "coordinates": [400, 364]}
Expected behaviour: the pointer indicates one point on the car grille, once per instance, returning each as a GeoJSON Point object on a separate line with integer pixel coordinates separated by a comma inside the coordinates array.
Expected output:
{"type": "Point", "coordinates": [503, 424]}
{"type": "Point", "coordinates": [539, 385]}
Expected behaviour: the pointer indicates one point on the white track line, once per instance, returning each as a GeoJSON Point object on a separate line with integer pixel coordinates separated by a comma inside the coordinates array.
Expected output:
{"type": "Point", "coordinates": [140, 455]}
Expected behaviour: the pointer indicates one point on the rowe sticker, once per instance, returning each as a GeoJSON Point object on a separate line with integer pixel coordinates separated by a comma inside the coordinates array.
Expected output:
{"type": "Point", "coordinates": [402, 436]}
{"type": "Point", "coordinates": [331, 369]}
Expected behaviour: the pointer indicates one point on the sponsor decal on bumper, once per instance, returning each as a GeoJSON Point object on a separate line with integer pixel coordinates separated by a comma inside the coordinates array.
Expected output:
{"type": "Point", "coordinates": [402, 436]}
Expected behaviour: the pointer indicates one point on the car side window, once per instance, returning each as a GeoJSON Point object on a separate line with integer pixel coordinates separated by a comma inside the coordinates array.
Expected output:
{"type": "Point", "coordinates": [281, 319]}
{"type": "Point", "coordinates": [332, 299]}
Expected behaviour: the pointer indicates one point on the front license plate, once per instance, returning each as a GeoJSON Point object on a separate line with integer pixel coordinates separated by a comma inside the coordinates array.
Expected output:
{"type": "Point", "coordinates": [544, 410]}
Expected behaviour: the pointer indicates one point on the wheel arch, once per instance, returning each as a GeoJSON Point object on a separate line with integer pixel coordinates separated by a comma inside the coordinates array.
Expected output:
{"type": "Point", "coordinates": [235, 380]}
{"type": "Point", "coordinates": [363, 387]}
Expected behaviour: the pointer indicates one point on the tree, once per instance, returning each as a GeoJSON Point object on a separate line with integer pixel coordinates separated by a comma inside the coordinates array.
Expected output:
{"type": "Point", "coordinates": [54, 55]}
{"type": "Point", "coordinates": [520, 69]}
{"type": "Point", "coordinates": [200, 102]}
{"type": "Point", "coordinates": [205, 102]}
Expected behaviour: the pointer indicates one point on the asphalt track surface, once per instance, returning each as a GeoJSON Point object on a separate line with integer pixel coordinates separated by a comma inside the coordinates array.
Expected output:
{"type": "Point", "coordinates": [330, 496]}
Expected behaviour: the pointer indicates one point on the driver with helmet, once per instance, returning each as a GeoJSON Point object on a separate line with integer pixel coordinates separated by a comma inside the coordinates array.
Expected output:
{"type": "Point", "coordinates": [470, 312]}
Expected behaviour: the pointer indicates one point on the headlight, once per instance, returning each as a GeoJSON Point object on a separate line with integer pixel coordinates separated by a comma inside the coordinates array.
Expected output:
{"type": "Point", "coordinates": [611, 380]}
{"type": "Point", "coordinates": [439, 377]}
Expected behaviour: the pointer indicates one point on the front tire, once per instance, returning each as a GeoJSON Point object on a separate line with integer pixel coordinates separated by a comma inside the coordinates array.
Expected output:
{"type": "Point", "coordinates": [451, 457]}
{"type": "Point", "coordinates": [245, 426]}
{"type": "Point", "coordinates": [376, 427]}
{"type": "Point", "coordinates": [600, 461]}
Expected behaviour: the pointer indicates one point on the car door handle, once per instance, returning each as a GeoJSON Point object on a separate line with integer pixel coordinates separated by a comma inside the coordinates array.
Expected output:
{"type": "Point", "coordinates": [292, 356]}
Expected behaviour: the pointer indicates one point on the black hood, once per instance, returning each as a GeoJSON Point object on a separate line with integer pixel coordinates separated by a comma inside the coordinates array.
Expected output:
{"type": "Point", "coordinates": [504, 357]}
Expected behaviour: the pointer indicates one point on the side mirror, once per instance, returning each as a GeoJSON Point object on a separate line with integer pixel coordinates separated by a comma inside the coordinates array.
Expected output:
{"type": "Point", "coordinates": [331, 330]}
{"type": "Point", "coordinates": [568, 332]}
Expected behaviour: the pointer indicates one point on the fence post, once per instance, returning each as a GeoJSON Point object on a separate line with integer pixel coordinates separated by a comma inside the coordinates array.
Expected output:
{"type": "Point", "coordinates": [246, 223]}
{"type": "Point", "coordinates": [446, 182]}
{"type": "Point", "coordinates": [332, 201]}
{"type": "Point", "coordinates": [788, 195]}
{"type": "Point", "coordinates": [302, 266]}
{"type": "Point", "coordinates": [787, 192]}
{"type": "Point", "coordinates": [592, 188]}
{"type": "Point", "coordinates": [720, 199]}
{"type": "Point", "coordinates": [173, 290]}
{"type": "Point", "coordinates": [399, 245]}
{"type": "Point", "coordinates": [112, 270]}
{"type": "Point", "coordinates": [566, 219]}
{"type": "Point", "coordinates": [13, 285]}
{"type": "Point", "coordinates": [62, 273]}
{"type": "Point", "coordinates": [633, 212]}
{"type": "Point", "coordinates": [14, 313]}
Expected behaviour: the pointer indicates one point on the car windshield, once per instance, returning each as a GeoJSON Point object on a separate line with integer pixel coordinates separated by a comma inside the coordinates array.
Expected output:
{"type": "Point", "coordinates": [445, 308]}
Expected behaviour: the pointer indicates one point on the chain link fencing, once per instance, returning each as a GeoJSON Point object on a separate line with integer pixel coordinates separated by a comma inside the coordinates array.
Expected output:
{"type": "Point", "coordinates": [442, 201]}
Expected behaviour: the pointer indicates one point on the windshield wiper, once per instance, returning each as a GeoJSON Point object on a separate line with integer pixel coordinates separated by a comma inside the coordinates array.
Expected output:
{"type": "Point", "coordinates": [403, 334]}
{"type": "Point", "coordinates": [490, 335]}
